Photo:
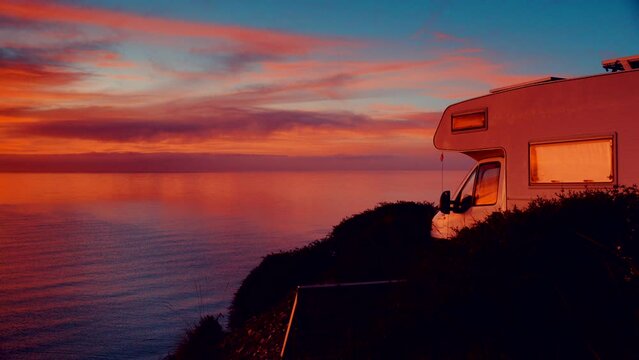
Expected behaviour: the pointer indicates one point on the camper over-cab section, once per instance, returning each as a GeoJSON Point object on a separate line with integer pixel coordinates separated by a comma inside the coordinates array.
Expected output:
{"type": "Point", "coordinates": [541, 137]}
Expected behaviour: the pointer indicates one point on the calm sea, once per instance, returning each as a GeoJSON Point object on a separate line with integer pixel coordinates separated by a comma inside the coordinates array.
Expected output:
{"type": "Point", "coordinates": [103, 266]}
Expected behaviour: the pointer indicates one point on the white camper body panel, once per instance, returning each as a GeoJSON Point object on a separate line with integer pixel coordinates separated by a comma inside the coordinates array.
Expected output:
{"type": "Point", "coordinates": [602, 106]}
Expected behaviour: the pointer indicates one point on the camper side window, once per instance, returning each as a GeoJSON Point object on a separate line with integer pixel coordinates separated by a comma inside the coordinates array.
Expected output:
{"type": "Point", "coordinates": [577, 161]}
{"type": "Point", "coordinates": [469, 121]}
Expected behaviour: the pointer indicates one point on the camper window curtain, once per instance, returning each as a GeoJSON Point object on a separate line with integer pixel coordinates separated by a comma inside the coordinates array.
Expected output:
{"type": "Point", "coordinates": [584, 161]}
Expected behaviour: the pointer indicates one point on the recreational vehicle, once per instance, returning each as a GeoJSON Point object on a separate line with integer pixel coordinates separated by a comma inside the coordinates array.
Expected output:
{"type": "Point", "coordinates": [538, 138]}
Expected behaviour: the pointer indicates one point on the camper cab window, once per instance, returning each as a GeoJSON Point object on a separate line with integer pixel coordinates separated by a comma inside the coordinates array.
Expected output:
{"type": "Point", "coordinates": [481, 186]}
{"type": "Point", "coordinates": [579, 161]}
{"type": "Point", "coordinates": [468, 188]}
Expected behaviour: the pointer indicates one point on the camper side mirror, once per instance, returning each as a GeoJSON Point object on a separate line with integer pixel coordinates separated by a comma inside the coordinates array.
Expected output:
{"type": "Point", "coordinates": [464, 204]}
{"type": "Point", "coordinates": [444, 202]}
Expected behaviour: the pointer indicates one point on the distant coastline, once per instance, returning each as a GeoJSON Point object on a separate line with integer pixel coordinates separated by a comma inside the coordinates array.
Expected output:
{"type": "Point", "coordinates": [203, 162]}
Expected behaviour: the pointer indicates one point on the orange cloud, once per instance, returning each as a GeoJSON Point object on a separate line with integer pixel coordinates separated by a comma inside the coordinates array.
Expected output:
{"type": "Point", "coordinates": [26, 84]}
{"type": "Point", "coordinates": [207, 126]}
{"type": "Point", "coordinates": [18, 76]}
{"type": "Point", "coordinates": [196, 121]}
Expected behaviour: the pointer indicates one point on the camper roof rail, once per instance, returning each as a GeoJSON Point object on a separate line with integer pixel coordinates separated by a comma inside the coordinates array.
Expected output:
{"type": "Point", "coordinates": [621, 64]}
{"type": "Point", "coordinates": [527, 83]}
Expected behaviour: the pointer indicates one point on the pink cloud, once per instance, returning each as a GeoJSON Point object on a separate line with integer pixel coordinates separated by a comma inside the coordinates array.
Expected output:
{"type": "Point", "coordinates": [275, 79]}
{"type": "Point", "coordinates": [253, 40]}
{"type": "Point", "coordinates": [97, 57]}
{"type": "Point", "coordinates": [192, 121]}
{"type": "Point", "coordinates": [352, 79]}
{"type": "Point", "coordinates": [440, 36]}
{"type": "Point", "coordinates": [256, 82]}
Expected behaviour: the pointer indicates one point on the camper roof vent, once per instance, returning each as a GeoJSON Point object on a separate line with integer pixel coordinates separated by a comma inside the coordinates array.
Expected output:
{"type": "Point", "coordinates": [524, 84]}
{"type": "Point", "coordinates": [621, 64]}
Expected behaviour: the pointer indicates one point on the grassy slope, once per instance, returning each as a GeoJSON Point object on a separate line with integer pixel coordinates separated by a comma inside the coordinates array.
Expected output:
{"type": "Point", "coordinates": [557, 280]}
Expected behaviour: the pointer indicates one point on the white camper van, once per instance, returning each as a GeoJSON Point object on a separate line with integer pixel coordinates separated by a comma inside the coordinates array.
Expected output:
{"type": "Point", "coordinates": [538, 138]}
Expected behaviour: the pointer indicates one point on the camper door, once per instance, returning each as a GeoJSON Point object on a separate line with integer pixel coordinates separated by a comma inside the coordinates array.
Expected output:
{"type": "Point", "coordinates": [479, 196]}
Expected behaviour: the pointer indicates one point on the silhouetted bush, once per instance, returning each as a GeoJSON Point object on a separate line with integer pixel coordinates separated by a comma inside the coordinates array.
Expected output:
{"type": "Point", "coordinates": [383, 243]}
{"type": "Point", "coordinates": [557, 280]}
{"type": "Point", "coordinates": [201, 342]}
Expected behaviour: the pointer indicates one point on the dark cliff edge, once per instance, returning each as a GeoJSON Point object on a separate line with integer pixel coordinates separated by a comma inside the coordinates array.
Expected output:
{"type": "Point", "coordinates": [559, 279]}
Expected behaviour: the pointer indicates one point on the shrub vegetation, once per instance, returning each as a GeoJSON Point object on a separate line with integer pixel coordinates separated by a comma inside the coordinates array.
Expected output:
{"type": "Point", "coordinates": [558, 279]}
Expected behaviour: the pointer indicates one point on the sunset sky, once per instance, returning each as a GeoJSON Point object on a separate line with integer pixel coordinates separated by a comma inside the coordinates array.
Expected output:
{"type": "Point", "coordinates": [259, 84]}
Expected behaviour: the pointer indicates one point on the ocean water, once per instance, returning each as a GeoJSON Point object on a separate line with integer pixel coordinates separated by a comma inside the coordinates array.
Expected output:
{"type": "Point", "coordinates": [104, 266]}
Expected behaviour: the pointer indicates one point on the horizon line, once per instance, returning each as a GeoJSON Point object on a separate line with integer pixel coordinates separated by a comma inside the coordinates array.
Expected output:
{"type": "Point", "coordinates": [206, 162]}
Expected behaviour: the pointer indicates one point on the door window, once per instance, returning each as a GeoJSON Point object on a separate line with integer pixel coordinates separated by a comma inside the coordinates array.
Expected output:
{"type": "Point", "coordinates": [487, 186]}
{"type": "Point", "coordinates": [482, 185]}
{"type": "Point", "coordinates": [468, 188]}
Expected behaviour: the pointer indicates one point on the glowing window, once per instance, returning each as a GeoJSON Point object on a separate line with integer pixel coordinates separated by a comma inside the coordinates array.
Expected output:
{"type": "Point", "coordinates": [469, 121]}
{"type": "Point", "coordinates": [584, 161]}
{"type": "Point", "coordinates": [487, 184]}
